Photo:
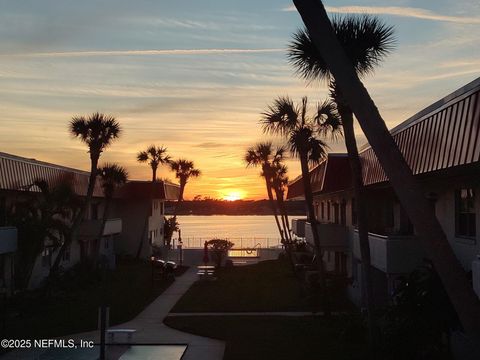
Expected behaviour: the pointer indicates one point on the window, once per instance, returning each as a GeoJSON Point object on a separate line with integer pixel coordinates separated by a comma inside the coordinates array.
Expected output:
{"type": "Point", "coordinates": [354, 212]}
{"type": "Point", "coordinates": [465, 225]}
{"type": "Point", "coordinates": [322, 210]}
{"type": "Point", "coordinates": [66, 254]}
{"type": "Point", "coordinates": [336, 213]}
{"type": "Point", "coordinates": [328, 210]}
{"type": "Point", "coordinates": [106, 242]}
{"type": "Point", "coordinates": [46, 257]}
{"type": "Point", "coordinates": [94, 210]}
{"type": "Point", "coordinates": [3, 211]}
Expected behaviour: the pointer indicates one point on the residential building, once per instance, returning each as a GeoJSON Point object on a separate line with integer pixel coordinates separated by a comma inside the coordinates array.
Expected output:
{"type": "Point", "coordinates": [441, 144]}
{"type": "Point", "coordinates": [135, 204]}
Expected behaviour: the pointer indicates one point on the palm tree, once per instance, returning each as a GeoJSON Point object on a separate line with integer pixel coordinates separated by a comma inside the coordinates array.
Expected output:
{"type": "Point", "coordinates": [293, 122]}
{"type": "Point", "coordinates": [40, 218]}
{"type": "Point", "coordinates": [409, 192]}
{"type": "Point", "coordinates": [279, 183]}
{"type": "Point", "coordinates": [184, 170]}
{"type": "Point", "coordinates": [263, 155]}
{"type": "Point", "coordinates": [155, 156]}
{"type": "Point", "coordinates": [366, 40]}
{"type": "Point", "coordinates": [97, 131]}
{"type": "Point", "coordinates": [112, 176]}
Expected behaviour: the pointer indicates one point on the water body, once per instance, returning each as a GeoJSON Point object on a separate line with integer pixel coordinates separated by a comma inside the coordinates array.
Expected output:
{"type": "Point", "coordinates": [245, 230]}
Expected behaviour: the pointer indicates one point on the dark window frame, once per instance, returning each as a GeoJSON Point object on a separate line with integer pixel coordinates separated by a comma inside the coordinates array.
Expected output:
{"type": "Point", "coordinates": [465, 213]}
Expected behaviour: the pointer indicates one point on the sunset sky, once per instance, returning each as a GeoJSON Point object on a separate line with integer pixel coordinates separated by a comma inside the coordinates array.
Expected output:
{"type": "Point", "coordinates": [195, 75]}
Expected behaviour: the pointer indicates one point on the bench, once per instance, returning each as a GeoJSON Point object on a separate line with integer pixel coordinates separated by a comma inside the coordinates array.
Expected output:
{"type": "Point", "coordinates": [206, 271]}
{"type": "Point", "coordinates": [111, 334]}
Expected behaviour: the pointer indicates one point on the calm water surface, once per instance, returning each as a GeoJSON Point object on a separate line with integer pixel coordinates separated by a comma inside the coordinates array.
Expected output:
{"type": "Point", "coordinates": [247, 230]}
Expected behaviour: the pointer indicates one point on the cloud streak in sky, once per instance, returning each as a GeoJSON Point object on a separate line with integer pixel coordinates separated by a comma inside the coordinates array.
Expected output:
{"type": "Point", "coordinates": [398, 11]}
{"type": "Point", "coordinates": [145, 52]}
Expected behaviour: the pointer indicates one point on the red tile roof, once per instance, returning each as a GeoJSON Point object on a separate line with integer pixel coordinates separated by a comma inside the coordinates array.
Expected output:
{"type": "Point", "coordinates": [18, 173]}
{"type": "Point", "coordinates": [331, 175]}
{"type": "Point", "coordinates": [444, 135]}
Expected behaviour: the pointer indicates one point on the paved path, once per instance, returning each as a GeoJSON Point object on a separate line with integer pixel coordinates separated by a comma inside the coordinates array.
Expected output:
{"type": "Point", "coordinates": [151, 329]}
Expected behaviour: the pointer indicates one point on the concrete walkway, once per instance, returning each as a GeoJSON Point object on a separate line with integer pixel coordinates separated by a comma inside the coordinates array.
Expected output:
{"type": "Point", "coordinates": [151, 330]}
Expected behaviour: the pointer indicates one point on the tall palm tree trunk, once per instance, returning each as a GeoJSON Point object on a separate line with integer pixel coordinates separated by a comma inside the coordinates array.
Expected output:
{"type": "Point", "coordinates": [106, 211]}
{"type": "Point", "coordinates": [316, 238]}
{"type": "Point", "coordinates": [180, 199]}
{"type": "Point", "coordinates": [409, 192]}
{"type": "Point", "coordinates": [274, 208]}
{"type": "Point", "coordinates": [154, 174]}
{"type": "Point", "coordinates": [77, 221]}
{"type": "Point", "coordinates": [283, 214]}
{"type": "Point", "coordinates": [362, 219]}
{"type": "Point", "coordinates": [144, 233]}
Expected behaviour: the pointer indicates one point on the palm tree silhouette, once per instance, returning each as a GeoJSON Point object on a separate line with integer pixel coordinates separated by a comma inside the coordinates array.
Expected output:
{"type": "Point", "coordinates": [279, 183]}
{"type": "Point", "coordinates": [112, 176]}
{"type": "Point", "coordinates": [42, 216]}
{"type": "Point", "coordinates": [292, 121]}
{"type": "Point", "coordinates": [366, 41]}
{"type": "Point", "coordinates": [263, 155]}
{"type": "Point", "coordinates": [406, 187]}
{"type": "Point", "coordinates": [184, 170]}
{"type": "Point", "coordinates": [155, 156]}
{"type": "Point", "coordinates": [97, 131]}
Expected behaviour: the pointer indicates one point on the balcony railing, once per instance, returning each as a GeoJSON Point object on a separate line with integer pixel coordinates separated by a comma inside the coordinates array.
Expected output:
{"type": "Point", "coordinates": [8, 240]}
{"type": "Point", "coordinates": [91, 228]}
{"type": "Point", "coordinates": [332, 236]}
{"type": "Point", "coordinates": [298, 227]}
{"type": "Point", "coordinates": [391, 254]}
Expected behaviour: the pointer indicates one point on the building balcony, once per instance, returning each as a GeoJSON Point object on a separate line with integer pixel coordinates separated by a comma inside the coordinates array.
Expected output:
{"type": "Point", "coordinates": [393, 254]}
{"type": "Point", "coordinates": [91, 228]}
{"type": "Point", "coordinates": [298, 227]}
{"type": "Point", "coordinates": [8, 240]}
{"type": "Point", "coordinates": [333, 237]}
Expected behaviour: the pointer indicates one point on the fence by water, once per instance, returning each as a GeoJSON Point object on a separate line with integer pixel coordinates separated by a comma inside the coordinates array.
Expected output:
{"type": "Point", "coordinates": [240, 242]}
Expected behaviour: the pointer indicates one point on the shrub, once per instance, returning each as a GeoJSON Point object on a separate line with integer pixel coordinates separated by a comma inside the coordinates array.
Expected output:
{"type": "Point", "coordinates": [418, 323]}
{"type": "Point", "coordinates": [219, 248]}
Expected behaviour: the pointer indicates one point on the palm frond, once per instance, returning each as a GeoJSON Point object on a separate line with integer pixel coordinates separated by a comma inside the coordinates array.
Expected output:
{"type": "Point", "coordinates": [329, 123]}
{"type": "Point", "coordinates": [366, 39]}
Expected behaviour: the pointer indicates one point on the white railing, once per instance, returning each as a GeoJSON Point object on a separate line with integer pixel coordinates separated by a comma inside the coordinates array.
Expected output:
{"type": "Point", "coordinates": [332, 236]}
{"type": "Point", "coordinates": [113, 226]}
{"type": "Point", "coordinates": [298, 227]}
{"type": "Point", "coordinates": [394, 254]}
{"type": "Point", "coordinates": [240, 242]}
{"type": "Point", "coordinates": [8, 240]}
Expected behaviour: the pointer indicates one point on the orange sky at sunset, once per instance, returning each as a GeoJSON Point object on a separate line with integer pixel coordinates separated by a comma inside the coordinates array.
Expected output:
{"type": "Point", "coordinates": [197, 81]}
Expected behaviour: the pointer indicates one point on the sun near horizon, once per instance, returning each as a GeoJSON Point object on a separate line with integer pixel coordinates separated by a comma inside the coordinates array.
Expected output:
{"type": "Point", "coordinates": [233, 195]}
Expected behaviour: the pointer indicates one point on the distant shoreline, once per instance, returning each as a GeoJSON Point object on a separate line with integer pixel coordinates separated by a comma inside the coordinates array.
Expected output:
{"type": "Point", "coordinates": [233, 208]}
{"type": "Point", "coordinates": [214, 214]}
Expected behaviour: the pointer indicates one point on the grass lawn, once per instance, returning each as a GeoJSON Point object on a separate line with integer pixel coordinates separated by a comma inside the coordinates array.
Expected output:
{"type": "Point", "coordinates": [278, 338]}
{"type": "Point", "coordinates": [264, 287]}
{"type": "Point", "coordinates": [75, 308]}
